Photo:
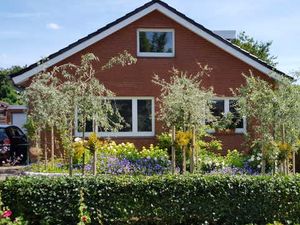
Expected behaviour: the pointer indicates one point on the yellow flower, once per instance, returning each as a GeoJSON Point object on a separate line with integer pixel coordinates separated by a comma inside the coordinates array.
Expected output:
{"type": "Point", "coordinates": [183, 138]}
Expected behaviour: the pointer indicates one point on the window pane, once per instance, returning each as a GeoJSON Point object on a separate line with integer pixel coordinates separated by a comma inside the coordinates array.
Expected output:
{"type": "Point", "coordinates": [218, 108]}
{"type": "Point", "coordinates": [124, 107]}
{"type": "Point", "coordinates": [156, 41]}
{"type": "Point", "coordinates": [88, 126]}
{"type": "Point", "coordinates": [237, 120]}
{"type": "Point", "coordinates": [144, 115]}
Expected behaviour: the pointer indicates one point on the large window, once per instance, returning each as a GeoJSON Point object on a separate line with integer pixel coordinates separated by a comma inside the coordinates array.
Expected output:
{"type": "Point", "coordinates": [137, 114]}
{"type": "Point", "coordinates": [155, 42]}
{"type": "Point", "coordinates": [221, 107]}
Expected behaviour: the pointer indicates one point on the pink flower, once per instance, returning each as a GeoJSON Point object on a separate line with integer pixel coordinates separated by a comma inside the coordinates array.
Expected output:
{"type": "Point", "coordinates": [6, 213]}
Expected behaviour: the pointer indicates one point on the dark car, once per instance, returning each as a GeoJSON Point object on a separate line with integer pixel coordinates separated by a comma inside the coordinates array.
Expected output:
{"type": "Point", "coordinates": [13, 145]}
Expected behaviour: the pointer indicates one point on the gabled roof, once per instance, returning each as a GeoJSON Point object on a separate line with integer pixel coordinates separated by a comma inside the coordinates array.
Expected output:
{"type": "Point", "coordinates": [138, 13]}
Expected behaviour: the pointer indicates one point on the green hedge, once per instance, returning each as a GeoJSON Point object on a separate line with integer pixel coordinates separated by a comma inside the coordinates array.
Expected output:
{"type": "Point", "coordinates": [193, 199]}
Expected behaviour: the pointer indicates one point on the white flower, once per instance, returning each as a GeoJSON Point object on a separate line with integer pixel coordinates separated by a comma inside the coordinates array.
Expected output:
{"type": "Point", "coordinates": [77, 139]}
{"type": "Point", "coordinates": [258, 158]}
{"type": "Point", "coordinates": [258, 166]}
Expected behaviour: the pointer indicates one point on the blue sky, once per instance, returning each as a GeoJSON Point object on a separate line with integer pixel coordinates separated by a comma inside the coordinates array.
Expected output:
{"type": "Point", "coordinates": [32, 29]}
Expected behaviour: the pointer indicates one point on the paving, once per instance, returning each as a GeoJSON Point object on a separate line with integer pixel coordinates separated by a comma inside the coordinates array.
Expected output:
{"type": "Point", "coordinates": [8, 171]}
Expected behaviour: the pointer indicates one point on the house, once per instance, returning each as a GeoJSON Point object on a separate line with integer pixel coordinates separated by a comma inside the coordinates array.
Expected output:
{"type": "Point", "coordinates": [13, 114]}
{"type": "Point", "coordinates": [185, 42]}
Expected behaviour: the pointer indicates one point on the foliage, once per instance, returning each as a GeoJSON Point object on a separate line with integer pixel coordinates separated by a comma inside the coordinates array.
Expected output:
{"type": "Point", "coordinates": [8, 92]}
{"type": "Point", "coordinates": [80, 150]}
{"type": "Point", "coordinates": [191, 199]}
{"type": "Point", "coordinates": [273, 113]}
{"type": "Point", "coordinates": [84, 217]}
{"type": "Point", "coordinates": [143, 166]}
{"type": "Point", "coordinates": [213, 145]}
{"type": "Point", "coordinates": [113, 158]}
{"type": "Point", "coordinates": [183, 101]}
{"type": "Point", "coordinates": [183, 138]}
{"type": "Point", "coordinates": [258, 48]}
{"type": "Point", "coordinates": [211, 161]}
{"type": "Point", "coordinates": [231, 170]}
{"type": "Point", "coordinates": [235, 158]}
{"type": "Point", "coordinates": [72, 87]}
{"type": "Point", "coordinates": [57, 166]}
{"type": "Point", "coordinates": [224, 123]}
{"type": "Point", "coordinates": [164, 140]}
{"type": "Point", "coordinates": [7, 217]}
{"type": "Point", "coordinates": [124, 158]}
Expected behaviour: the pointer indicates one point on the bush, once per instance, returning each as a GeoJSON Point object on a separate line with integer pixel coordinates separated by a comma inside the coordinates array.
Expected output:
{"type": "Point", "coordinates": [193, 199]}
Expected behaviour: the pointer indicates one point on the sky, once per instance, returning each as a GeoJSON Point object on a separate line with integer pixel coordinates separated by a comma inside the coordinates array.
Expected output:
{"type": "Point", "coordinates": [33, 29]}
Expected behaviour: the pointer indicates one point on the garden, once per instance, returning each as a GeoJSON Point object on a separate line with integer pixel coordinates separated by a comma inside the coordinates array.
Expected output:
{"type": "Point", "coordinates": [185, 177]}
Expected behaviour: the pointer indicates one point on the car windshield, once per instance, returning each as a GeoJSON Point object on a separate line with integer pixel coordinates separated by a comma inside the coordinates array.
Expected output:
{"type": "Point", "coordinates": [2, 134]}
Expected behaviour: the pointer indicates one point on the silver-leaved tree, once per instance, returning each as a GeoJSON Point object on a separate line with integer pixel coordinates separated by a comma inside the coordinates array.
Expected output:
{"type": "Point", "coordinates": [273, 112]}
{"type": "Point", "coordinates": [184, 103]}
{"type": "Point", "coordinates": [70, 93]}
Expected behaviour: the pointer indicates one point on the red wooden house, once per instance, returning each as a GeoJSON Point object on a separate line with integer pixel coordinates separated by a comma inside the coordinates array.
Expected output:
{"type": "Point", "coordinates": [185, 42]}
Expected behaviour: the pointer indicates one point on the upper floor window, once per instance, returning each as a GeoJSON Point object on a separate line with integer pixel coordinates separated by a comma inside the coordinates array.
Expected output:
{"type": "Point", "coordinates": [155, 43]}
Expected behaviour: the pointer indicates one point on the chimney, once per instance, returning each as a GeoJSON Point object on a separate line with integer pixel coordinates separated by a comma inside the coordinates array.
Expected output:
{"type": "Point", "coordinates": [229, 35]}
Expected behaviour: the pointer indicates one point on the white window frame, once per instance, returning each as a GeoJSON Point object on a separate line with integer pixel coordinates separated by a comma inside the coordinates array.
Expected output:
{"type": "Point", "coordinates": [134, 132]}
{"type": "Point", "coordinates": [226, 111]}
{"type": "Point", "coordinates": [155, 54]}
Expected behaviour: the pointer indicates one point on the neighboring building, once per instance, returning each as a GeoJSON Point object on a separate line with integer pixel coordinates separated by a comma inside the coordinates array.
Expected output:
{"type": "Point", "coordinates": [161, 38]}
{"type": "Point", "coordinates": [13, 114]}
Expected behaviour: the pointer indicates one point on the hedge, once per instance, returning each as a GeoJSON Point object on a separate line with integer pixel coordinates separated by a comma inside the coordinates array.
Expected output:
{"type": "Point", "coordinates": [192, 199]}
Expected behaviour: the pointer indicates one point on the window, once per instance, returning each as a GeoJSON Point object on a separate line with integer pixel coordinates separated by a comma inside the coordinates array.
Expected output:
{"type": "Point", "coordinates": [221, 107]}
{"type": "Point", "coordinates": [155, 43]}
{"type": "Point", "coordinates": [138, 116]}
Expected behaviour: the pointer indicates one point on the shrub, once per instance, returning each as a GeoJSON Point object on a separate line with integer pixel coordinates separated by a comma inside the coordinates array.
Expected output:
{"type": "Point", "coordinates": [193, 199]}
{"type": "Point", "coordinates": [164, 141]}
{"type": "Point", "coordinates": [235, 158]}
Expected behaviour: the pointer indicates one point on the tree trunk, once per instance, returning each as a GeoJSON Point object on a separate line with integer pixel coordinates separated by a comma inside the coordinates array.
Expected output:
{"type": "Point", "coordinates": [83, 137]}
{"type": "Point", "coordinates": [94, 153]}
{"type": "Point", "coordinates": [52, 145]}
{"type": "Point", "coordinates": [183, 159]}
{"type": "Point", "coordinates": [70, 165]}
{"type": "Point", "coordinates": [173, 155]}
{"type": "Point", "coordinates": [294, 162]}
{"type": "Point", "coordinates": [70, 156]}
{"type": "Point", "coordinates": [263, 162]}
{"type": "Point", "coordinates": [192, 156]}
{"type": "Point", "coordinates": [45, 149]}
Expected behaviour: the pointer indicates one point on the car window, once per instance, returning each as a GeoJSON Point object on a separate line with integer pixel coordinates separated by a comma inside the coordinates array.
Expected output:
{"type": "Point", "coordinates": [16, 132]}
{"type": "Point", "coordinates": [3, 134]}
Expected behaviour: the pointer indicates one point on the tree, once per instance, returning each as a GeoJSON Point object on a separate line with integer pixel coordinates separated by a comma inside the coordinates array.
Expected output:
{"type": "Point", "coordinates": [183, 101]}
{"type": "Point", "coordinates": [90, 97]}
{"type": "Point", "coordinates": [44, 101]}
{"type": "Point", "coordinates": [8, 92]}
{"type": "Point", "coordinates": [184, 104]}
{"type": "Point", "coordinates": [55, 96]}
{"type": "Point", "coordinates": [273, 112]}
{"type": "Point", "coordinates": [258, 48]}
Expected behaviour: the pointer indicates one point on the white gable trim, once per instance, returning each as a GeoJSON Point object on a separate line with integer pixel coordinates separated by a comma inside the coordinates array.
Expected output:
{"type": "Point", "coordinates": [156, 6]}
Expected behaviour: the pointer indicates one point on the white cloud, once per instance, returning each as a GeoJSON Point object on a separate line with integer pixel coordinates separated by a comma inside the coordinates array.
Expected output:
{"type": "Point", "coordinates": [53, 26]}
